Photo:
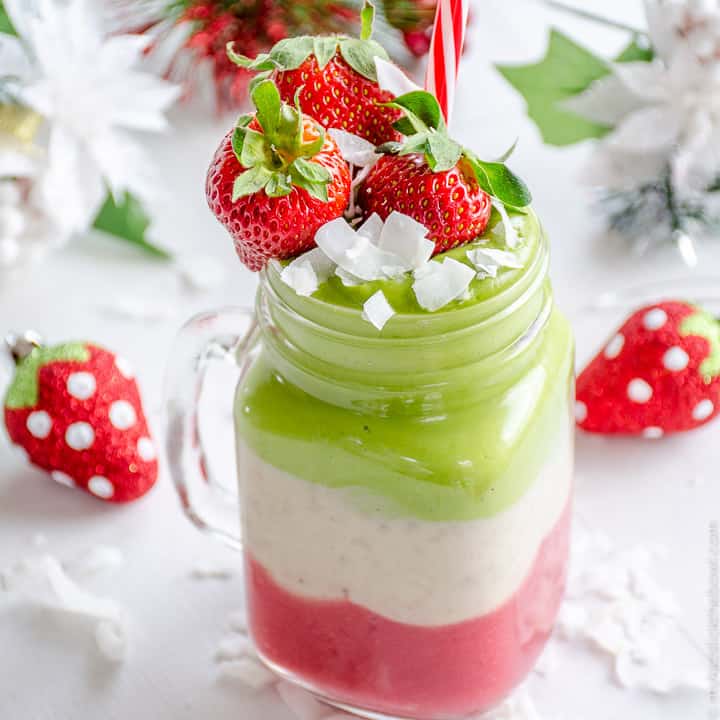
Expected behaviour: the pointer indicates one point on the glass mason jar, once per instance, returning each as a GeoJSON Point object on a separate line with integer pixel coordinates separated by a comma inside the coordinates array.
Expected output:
{"type": "Point", "coordinates": [405, 494]}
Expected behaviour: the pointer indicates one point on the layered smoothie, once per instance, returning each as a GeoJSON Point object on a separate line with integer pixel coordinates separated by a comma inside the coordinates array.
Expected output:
{"type": "Point", "coordinates": [406, 497]}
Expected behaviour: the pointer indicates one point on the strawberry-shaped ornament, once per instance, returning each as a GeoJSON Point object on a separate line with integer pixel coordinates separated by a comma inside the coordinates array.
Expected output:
{"type": "Point", "coordinates": [76, 411]}
{"type": "Point", "coordinates": [275, 179]}
{"type": "Point", "coordinates": [435, 180]}
{"type": "Point", "coordinates": [333, 79]}
{"type": "Point", "coordinates": [658, 374]}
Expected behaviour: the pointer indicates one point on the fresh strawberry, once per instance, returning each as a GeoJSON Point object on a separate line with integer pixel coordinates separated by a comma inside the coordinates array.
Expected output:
{"type": "Point", "coordinates": [76, 411]}
{"type": "Point", "coordinates": [333, 79]}
{"type": "Point", "coordinates": [275, 180]}
{"type": "Point", "coordinates": [658, 374]}
{"type": "Point", "coordinates": [436, 181]}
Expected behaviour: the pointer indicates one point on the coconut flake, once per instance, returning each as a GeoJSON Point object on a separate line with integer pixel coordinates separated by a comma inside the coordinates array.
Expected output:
{"type": "Point", "coordinates": [300, 276]}
{"type": "Point", "coordinates": [372, 229]}
{"type": "Point", "coordinates": [407, 238]}
{"type": "Point", "coordinates": [249, 671]}
{"type": "Point", "coordinates": [377, 310]}
{"type": "Point", "coordinates": [355, 254]}
{"type": "Point", "coordinates": [437, 284]}
{"type": "Point", "coordinates": [41, 581]}
{"type": "Point", "coordinates": [509, 231]}
{"type": "Point", "coordinates": [354, 149]}
{"type": "Point", "coordinates": [489, 260]}
{"type": "Point", "coordinates": [391, 78]}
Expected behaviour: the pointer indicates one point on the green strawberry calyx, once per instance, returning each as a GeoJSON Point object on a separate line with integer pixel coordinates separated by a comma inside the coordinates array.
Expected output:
{"type": "Point", "coordinates": [703, 324]}
{"type": "Point", "coordinates": [291, 53]}
{"type": "Point", "coordinates": [278, 158]}
{"type": "Point", "coordinates": [426, 133]}
{"type": "Point", "coordinates": [24, 389]}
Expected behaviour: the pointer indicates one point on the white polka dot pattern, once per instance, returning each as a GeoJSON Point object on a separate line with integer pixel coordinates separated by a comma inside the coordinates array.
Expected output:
{"type": "Point", "coordinates": [653, 432]}
{"type": "Point", "coordinates": [101, 487]}
{"type": "Point", "coordinates": [638, 391]}
{"type": "Point", "coordinates": [39, 424]}
{"type": "Point", "coordinates": [580, 411]}
{"type": "Point", "coordinates": [675, 359]}
{"type": "Point", "coordinates": [146, 449]}
{"type": "Point", "coordinates": [124, 368]}
{"type": "Point", "coordinates": [80, 436]}
{"type": "Point", "coordinates": [122, 415]}
{"type": "Point", "coordinates": [63, 478]}
{"type": "Point", "coordinates": [654, 319]}
{"type": "Point", "coordinates": [81, 385]}
{"type": "Point", "coordinates": [614, 347]}
{"type": "Point", "coordinates": [703, 410]}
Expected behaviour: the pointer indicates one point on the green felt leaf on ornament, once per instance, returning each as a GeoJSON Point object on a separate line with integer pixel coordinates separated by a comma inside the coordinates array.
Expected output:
{"type": "Point", "coordinates": [706, 326]}
{"type": "Point", "coordinates": [127, 220]}
{"type": "Point", "coordinates": [6, 26]}
{"type": "Point", "coordinates": [23, 391]}
{"type": "Point", "coordinates": [566, 70]}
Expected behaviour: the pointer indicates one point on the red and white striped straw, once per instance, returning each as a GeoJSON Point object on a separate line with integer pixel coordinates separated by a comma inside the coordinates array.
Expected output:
{"type": "Point", "coordinates": [445, 50]}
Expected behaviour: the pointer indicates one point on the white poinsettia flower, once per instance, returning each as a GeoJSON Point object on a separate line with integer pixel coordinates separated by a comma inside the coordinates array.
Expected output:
{"type": "Point", "coordinates": [694, 24]}
{"type": "Point", "coordinates": [662, 115]}
{"type": "Point", "coordinates": [86, 86]}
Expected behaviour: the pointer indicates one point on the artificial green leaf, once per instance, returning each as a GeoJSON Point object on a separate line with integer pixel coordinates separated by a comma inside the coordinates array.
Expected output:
{"type": "Point", "coordinates": [314, 172]}
{"type": "Point", "coordinates": [442, 152]}
{"type": "Point", "coordinates": [266, 98]}
{"type": "Point", "coordinates": [424, 106]}
{"type": "Point", "coordinates": [636, 51]}
{"type": "Point", "coordinates": [255, 150]}
{"type": "Point", "coordinates": [278, 185]}
{"type": "Point", "coordinates": [367, 17]}
{"type": "Point", "coordinates": [251, 181]}
{"type": "Point", "coordinates": [361, 54]}
{"type": "Point", "coordinates": [291, 53]}
{"type": "Point", "coordinates": [566, 70]}
{"type": "Point", "coordinates": [6, 27]}
{"type": "Point", "coordinates": [128, 221]}
{"type": "Point", "coordinates": [24, 389]}
{"type": "Point", "coordinates": [324, 49]}
{"type": "Point", "coordinates": [500, 182]}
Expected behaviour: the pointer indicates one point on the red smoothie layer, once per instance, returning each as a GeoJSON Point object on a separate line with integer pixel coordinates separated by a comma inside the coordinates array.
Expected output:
{"type": "Point", "coordinates": [354, 656]}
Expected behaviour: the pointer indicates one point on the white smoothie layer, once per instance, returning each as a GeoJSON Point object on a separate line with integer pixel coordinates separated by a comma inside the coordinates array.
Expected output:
{"type": "Point", "coordinates": [316, 542]}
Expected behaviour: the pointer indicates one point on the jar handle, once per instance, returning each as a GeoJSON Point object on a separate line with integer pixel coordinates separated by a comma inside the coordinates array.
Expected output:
{"type": "Point", "coordinates": [229, 334]}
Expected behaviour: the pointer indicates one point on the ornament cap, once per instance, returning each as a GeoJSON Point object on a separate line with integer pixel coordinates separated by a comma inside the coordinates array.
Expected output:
{"type": "Point", "coordinates": [21, 345]}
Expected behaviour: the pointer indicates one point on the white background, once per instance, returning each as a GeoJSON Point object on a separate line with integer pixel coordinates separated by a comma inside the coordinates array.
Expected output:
{"type": "Point", "coordinates": [636, 491]}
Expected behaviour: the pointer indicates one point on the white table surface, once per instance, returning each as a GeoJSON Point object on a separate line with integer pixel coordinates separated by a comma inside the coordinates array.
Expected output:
{"type": "Point", "coordinates": [636, 491]}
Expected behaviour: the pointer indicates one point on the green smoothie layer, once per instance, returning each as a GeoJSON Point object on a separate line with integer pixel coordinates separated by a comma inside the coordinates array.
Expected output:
{"type": "Point", "coordinates": [436, 418]}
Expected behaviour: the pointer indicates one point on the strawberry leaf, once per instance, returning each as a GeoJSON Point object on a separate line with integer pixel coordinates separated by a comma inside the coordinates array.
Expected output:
{"type": "Point", "coordinates": [367, 18]}
{"type": "Point", "coordinates": [127, 220]}
{"type": "Point", "coordinates": [291, 53]}
{"type": "Point", "coordinates": [23, 391]}
{"type": "Point", "coordinates": [278, 185]}
{"type": "Point", "coordinates": [424, 106]}
{"type": "Point", "coordinates": [313, 172]}
{"type": "Point", "coordinates": [266, 98]}
{"type": "Point", "coordinates": [316, 190]}
{"type": "Point", "coordinates": [262, 62]}
{"type": "Point", "coordinates": [360, 56]}
{"type": "Point", "coordinates": [442, 152]}
{"type": "Point", "coordinates": [251, 181]}
{"type": "Point", "coordinates": [255, 150]}
{"type": "Point", "coordinates": [324, 49]}
{"type": "Point", "coordinates": [498, 180]}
